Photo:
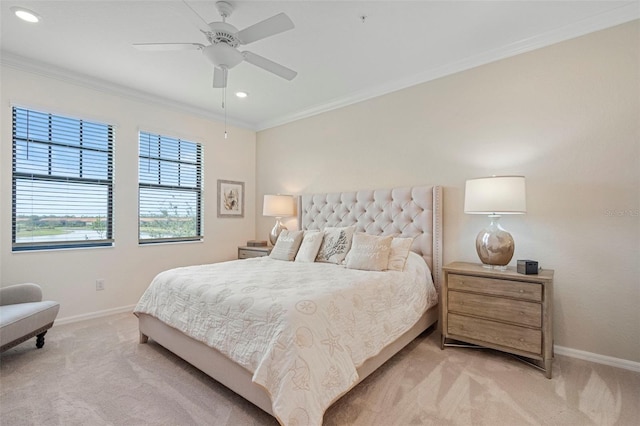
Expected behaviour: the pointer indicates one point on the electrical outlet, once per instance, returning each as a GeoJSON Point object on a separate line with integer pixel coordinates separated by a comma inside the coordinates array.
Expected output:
{"type": "Point", "coordinates": [99, 284]}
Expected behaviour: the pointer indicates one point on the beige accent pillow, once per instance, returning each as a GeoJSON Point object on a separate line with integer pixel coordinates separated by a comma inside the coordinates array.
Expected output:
{"type": "Point", "coordinates": [310, 245]}
{"type": "Point", "coordinates": [400, 248]}
{"type": "Point", "coordinates": [369, 252]}
{"type": "Point", "coordinates": [335, 244]}
{"type": "Point", "coordinates": [287, 245]}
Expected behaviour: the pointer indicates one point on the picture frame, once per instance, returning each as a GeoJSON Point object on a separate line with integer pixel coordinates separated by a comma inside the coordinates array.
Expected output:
{"type": "Point", "coordinates": [230, 199]}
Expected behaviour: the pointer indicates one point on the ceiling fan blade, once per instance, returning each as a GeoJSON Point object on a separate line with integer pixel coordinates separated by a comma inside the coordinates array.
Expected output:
{"type": "Point", "coordinates": [202, 20]}
{"type": "Point", "coordinates": [156, 47]}
{"type": "Point", "coordinates": [270, 26]}
{"type": "Point", "coordinates": [268, 65]}
{"type": "Point", "coordinates": [220, 77]}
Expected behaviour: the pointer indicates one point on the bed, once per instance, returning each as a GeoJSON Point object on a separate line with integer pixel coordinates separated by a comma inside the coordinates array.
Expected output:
{"type": "Point", "coordinates": [223, 343]}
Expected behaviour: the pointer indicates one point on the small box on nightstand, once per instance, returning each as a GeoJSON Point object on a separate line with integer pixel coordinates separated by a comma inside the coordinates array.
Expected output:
{"type": "Point", "coordinates": [527, 267]}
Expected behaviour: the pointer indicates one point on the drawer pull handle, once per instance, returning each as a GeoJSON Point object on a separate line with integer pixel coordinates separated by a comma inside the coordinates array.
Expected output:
{"type": "Point", "coordinates": [521, 291]}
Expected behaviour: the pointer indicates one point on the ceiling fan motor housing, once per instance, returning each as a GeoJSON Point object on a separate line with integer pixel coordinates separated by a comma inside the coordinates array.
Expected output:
{"type": "Point", "coordinates": [221, 32]}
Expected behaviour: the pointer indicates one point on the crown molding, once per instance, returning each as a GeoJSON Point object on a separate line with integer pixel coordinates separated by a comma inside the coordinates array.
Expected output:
{"type": "Point", "coordinates": [611, 18]}
{"type": "Point", "coordinates": [46, 70]}
{"type": "Point", "coordinates": [617, 16]}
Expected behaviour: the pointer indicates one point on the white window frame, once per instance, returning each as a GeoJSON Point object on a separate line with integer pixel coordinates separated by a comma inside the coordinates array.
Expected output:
{"type": "Point", "coordinates": [176, 185]}
{"type": "Point", "coordinates": [57, 188]}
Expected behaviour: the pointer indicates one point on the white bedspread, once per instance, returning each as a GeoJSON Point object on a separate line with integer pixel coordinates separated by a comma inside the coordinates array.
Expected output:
{"type": "Point", "coordinates": [302, 329]}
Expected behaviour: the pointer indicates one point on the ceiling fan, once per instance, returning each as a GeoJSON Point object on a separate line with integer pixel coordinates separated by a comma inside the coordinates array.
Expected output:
{"type": "Point", "coordinates": [224, 40]}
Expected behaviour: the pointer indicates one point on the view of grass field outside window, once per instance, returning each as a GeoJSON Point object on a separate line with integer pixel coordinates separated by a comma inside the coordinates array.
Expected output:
{"type": "Point", "coordinates": [170, 184]}
{"type": "Point", "coordinates": [62, 181]}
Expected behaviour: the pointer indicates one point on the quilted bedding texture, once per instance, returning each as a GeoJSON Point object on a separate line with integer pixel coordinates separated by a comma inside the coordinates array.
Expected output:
{"type": "Point", "coordinates": [301, 329]}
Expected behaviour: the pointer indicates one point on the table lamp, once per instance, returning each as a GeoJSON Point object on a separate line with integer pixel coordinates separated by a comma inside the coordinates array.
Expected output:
{"type": "Point", "coordinates": [495, 196]}
{"type": "Point", "coordinates": [277, 206]}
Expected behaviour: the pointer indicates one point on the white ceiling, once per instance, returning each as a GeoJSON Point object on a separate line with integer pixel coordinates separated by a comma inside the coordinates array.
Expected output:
{"type": "Point", "coordinates": [339, 59]}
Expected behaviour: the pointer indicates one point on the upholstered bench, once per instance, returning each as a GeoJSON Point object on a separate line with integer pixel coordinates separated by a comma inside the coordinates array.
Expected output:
{"type": "Point", "coordinates": [24, 315]}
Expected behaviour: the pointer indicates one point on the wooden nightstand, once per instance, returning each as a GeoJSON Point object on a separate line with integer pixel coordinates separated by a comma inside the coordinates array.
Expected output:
{"type": "Point", "coordinates": [245, 252]}
{"type": "Point", "coordinates": [502, 310]}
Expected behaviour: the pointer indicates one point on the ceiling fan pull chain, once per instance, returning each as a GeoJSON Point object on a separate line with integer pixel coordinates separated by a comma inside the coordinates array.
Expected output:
{"type": "Point", "coordinates": [224, 101]}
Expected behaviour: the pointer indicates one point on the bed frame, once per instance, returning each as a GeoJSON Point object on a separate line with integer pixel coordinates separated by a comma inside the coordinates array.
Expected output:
{"type": "Point", "coordinates": [407, 212]}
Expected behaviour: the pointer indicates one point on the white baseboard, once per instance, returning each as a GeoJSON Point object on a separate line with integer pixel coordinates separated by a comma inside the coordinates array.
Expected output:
{"type": "Point", "coordinates": [597, 358]}
{"type": "Point", "coordinates": [92, 315]}
{"type": "Point", "coordinates": [560, 350]}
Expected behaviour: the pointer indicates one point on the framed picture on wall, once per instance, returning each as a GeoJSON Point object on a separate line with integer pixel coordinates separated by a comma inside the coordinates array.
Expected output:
{"type": "Point", "coordinates": [230, 198]}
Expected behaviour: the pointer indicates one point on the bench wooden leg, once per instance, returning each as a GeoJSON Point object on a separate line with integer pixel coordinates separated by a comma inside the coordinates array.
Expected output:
{"type": "Point", "coordinates": [40, 339]}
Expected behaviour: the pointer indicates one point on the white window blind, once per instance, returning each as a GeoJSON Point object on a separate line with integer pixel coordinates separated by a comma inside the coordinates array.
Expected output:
{"type": "Point", "coordinates": [170, 189]}
{"type": "Point", "coordinates": [62, 182]}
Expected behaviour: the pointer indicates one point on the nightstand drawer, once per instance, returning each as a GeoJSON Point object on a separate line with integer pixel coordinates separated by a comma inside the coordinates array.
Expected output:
{"type": "Point", "coordinates": [515, 311]}
{"type": "Point", "coordinates": [497, 287]}
{"type": "Point", "coordinates": [249, 252]}
{"type": "Point", "coordinates": [510, 336]}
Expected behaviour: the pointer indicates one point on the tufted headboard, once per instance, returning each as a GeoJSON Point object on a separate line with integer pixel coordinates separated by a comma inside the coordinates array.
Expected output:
{"type": "Point", "coordinates": [402, 212]}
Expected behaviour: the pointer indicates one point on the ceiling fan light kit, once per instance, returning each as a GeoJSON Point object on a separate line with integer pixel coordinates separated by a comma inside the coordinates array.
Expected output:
{"type": "Point", "coordinates": [222, 55]}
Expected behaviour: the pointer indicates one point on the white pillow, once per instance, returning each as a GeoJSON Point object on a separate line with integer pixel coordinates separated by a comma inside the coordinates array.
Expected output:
{"type": "Point", "coordinates": [287, 245]}
{"type": "Point", "coordinates": [400, 248]}
{"type": "Point", "coordinates": [335, 244]}
{"type": "Point", "coordinates": [310, 245]}
{"type": "Point", "coordinates": [369, 252]}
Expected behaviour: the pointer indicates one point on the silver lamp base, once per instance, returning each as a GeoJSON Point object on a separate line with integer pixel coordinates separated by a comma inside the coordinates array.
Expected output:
{"type": "Point", "coordinates": [495, 246]}
{"type": "Point", "coordinates": [275, 231]}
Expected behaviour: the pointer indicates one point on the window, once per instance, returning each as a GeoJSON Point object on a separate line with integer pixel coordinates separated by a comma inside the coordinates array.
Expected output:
{"type": "Point", "coordinates": [170, 189]}
{"type": "Point", "coordinates": [62, 182]}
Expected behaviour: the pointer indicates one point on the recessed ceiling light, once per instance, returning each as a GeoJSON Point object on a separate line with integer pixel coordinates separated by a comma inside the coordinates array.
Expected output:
{"type": "Point", "coordinates": [25, 14]}
{"type": "Point", "coordinates": [242, 95]}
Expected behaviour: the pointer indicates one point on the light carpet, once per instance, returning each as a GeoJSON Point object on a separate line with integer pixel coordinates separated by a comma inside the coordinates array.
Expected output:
{"type": "Point", "coordinates": [96, 373]}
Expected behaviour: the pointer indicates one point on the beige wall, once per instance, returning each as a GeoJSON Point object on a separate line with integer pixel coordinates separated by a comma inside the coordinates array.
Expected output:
{"type": "Point", "coordinates": [68, 276]}
{"type": "Point", "coordinates": [566, 116]}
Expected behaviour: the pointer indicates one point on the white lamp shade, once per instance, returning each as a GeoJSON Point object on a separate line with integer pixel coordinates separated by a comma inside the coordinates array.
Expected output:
{"type": "Point", "coordinates": [277, 205]}
{"type": "Point", "coordinates": [495, 195]}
